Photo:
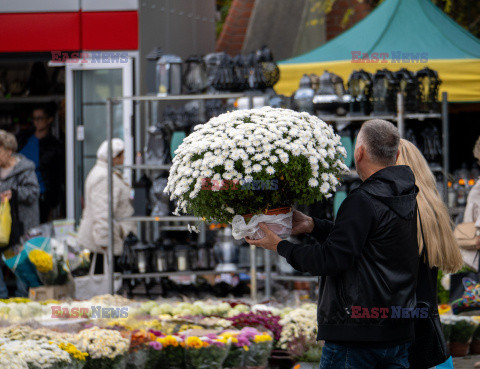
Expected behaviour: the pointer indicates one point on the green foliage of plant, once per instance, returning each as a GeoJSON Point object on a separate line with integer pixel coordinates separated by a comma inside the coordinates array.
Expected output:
{"type": "Point", "coordinates": [462, 331]}
{"type": "Point", "coordinates": [476, 334]}
{"type": "Point", "coordinates": [443, 294]}
{"type": "Point", "coordinates": [302, 169]}
{"type": "Point", "coordinates": [312, 355]}
{"type": "Point", "coordinates": [210, 357]}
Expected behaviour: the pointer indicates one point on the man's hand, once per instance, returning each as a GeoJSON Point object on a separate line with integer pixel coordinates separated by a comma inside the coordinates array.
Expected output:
{"type": "Point", "coordinates": [6, 195]}
{"type": "Point", "coordinates": [269, 242]}
{"type": "Point", "coordinates": [477, 242]}
{"type": "Point", "coordinates": [301, 223]}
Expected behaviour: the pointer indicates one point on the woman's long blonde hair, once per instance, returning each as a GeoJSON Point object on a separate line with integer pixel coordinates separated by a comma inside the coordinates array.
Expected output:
{"type": "Point", "coordinates": [442, 247]}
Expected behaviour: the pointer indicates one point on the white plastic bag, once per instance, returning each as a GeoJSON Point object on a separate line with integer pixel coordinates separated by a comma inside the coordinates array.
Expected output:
{"type": "Point", "coordinates": [95, 284]}
{"type": "Point", "coordinates": [280, 224]}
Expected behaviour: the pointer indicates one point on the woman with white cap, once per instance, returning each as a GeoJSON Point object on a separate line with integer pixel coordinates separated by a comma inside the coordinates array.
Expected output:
{"type": "Point", "coordinates": [93, 232]}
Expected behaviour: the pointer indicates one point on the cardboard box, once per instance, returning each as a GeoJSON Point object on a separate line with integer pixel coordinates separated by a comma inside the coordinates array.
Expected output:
{"type": "Point", "coordinates": [49, 293]}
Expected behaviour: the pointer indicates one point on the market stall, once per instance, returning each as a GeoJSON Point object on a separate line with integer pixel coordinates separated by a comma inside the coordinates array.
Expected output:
{"type": "Point", "coordinates": [408, 34]}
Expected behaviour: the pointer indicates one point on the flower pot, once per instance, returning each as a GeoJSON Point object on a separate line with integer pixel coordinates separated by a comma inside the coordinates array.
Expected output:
{"type": "Point", "coordinates": [458, 349]}
{"type": "Point", "coordinates": [475, 348]}
{"type": "Point", "coordinates": [280, 359]}
{"type": "Point", "coordinates": [282, 227]}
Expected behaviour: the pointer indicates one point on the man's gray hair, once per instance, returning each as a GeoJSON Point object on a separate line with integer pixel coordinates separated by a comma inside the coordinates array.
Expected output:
{"type": "Point", "coordinates": [381, 139]}
{"type": "Point", "coordinates": [8, 140]}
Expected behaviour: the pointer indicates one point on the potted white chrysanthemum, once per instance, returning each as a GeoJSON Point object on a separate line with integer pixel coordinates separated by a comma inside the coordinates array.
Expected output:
{"type": "Point", "coordinates": [251, 162]}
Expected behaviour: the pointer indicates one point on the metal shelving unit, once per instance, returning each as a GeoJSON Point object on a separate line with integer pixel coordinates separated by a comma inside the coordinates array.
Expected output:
{"type": "Point", "coordinates": [176, 274]}
{"type": "Point", "coordinates": [147, 167]}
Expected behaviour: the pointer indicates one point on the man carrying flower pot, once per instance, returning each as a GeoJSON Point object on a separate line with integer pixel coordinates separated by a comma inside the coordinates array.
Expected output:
{"type": "Point", "coordinates": [367, 259]}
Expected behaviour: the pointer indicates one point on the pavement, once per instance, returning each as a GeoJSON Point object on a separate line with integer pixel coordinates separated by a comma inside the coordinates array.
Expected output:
{"type": "Point", "coordinates": [467, 362]}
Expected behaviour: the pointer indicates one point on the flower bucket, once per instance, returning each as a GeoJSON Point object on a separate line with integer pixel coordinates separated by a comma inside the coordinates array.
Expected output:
{"type": "Point", "coordinates": [278, 220]}
{"type": "Point", "coordinates": [475, 348]}
{"type": "Point", "coordinates": [459, 349]}
{"type": "Point", "coordinates": [280, 359]}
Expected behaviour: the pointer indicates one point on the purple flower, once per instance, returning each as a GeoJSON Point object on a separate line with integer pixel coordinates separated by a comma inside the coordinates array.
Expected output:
{"type": "Point", "coordinates": [212, 336]}
{"type": "Point", "coordinates": [155, 345]}
{"type": "Point", "coordinates": [156, 333]}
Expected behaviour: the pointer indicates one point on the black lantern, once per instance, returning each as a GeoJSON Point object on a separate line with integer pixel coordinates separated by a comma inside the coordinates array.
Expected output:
{"type": "Point", "coordinates": [240, 72]}
{"type": "Point", "coordinates": [143, 257]}
{"type": "Point", "coordinates": [303, 97]}
{"type": "Point", "coordinates": [169, 75]}
{"type": "Point", "coordinates": [223, 79]}
{"type": "Point", "coordinates": [428, 83]}
{"type": "Point", "coordinates": [195, 78]}
{"type": "Point", "coordinates": [384, 92]}
{"type": "Point", "coordinates": [255, 74]}
{"type": "Point", "coordinates": [270, 70]}
{"type": "Point", "coordinates": [360, 87]}
{"type": "Point", "coordinates": [407, 85]}
{"type": "Point", "coordinates": [326, 99]}
{"type": "Point", "coordinates": [315, 80]}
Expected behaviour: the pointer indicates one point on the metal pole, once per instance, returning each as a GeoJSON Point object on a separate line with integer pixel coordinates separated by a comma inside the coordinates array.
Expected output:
{"type": "Point", "coordinates": [268, 274]}
{"type": "Point", "coordinates": [446, 145]}
{"type": "Point", "coordinates": [400, 115]}
{"type": "Point", "coordinates": [253, 273]}
{"type": "Point", "coordinates": [110, 196]}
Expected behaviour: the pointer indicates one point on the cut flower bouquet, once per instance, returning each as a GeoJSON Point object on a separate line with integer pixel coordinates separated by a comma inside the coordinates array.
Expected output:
{"type": "Point", "coordinates": [248, 162]}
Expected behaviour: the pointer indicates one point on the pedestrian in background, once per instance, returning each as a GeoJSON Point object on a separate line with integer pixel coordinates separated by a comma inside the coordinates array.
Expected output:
{"type": "Point", "coordinates": [19, 184]}
{"type": "Point", "coordinates": [93, 231]}
{"type": "Point", "coordinates": [48, 154]}
{"type": "Point", "coordinates": [441, 246]}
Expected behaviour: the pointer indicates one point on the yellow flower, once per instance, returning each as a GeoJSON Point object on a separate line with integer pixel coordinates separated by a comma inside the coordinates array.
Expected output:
{"type": "Point", "coordinates": [42, 260]}
{"type": "Point", "coordinates": [73, 351]}
{"type": "Point", "coordinates": [444, 309]}
{"type": "Point", "coordinates": [262, 338]}
{"type": "Point", "coordinates": [245, 348]}
{"type": "Point", "coordinates": [168, 341]}
{"type": "Point", "coordinates": [194, 342]}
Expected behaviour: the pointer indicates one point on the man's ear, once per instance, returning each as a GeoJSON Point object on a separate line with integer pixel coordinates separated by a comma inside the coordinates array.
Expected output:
{"type": "Point", "coordinates": [359, 153]}
{"type": "Point", "coordinates": [398, 154]}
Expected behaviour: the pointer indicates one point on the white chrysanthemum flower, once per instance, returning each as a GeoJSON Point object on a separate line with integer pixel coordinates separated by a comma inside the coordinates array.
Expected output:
{"type": "Point", "coordinates": [257, 168]}
{"type": "Point", "coordinates": [312, 182]}
{"type": "Point", "coordinates": [273, 159]}
{"type": "Point", "coordinates": [229, 164]}
{"type": "Point", "coordinates": [270, 170]}
{"type": "Point", "coordinates": [230, 210]}
{"type": "Point", "coordinates": [324, 188]}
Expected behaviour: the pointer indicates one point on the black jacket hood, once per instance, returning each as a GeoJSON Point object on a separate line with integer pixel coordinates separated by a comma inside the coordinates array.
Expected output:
{"type": "Point", "coordinates": [395, 187]}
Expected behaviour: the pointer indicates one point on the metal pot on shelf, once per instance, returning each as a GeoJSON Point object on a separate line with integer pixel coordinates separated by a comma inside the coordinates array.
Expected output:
{"type": "Point", "coordinates": [226, 251]}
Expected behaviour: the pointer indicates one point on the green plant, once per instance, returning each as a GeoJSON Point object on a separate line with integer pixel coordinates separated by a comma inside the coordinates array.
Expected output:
{"type": "Point", "coordinates": [476, 334]}
{"type": "Point", "coordinates": [248, 161]}
{"type": "Point", "coordinates": [443, 294]}
{"type": "Point", "coordinates": [462, 330]}
{"type": "Point", "coordinates": [312, 355]}
{"type": "Point", "coordinates": [447, 330]}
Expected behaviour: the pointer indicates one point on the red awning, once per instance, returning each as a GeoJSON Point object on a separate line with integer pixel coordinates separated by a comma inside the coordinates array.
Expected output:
{"type": "Point", "coordinates": [67, 31]}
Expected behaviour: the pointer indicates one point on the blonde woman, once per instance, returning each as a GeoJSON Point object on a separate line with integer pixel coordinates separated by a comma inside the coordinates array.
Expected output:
{"type": "Point", "coordinates": [442, 248]}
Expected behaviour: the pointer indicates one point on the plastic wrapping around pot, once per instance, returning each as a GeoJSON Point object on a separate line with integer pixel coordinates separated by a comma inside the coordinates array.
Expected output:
{"type": "Point", "coordinates": [119, 362]}
{"type": "Point", "coordinates": [137, 360]}
{"type": "Point", "coordinates": [23, 268]}
{"type": "Point", "coordinates": [235, 358]}
{"type": "Point", "coordinates": [281, 224]}
{"type": "Point", "coordinates": [211, 357]}
{"type": "Point", "coordinates": [258, 354]}
{"type": "Point", "coordinates": [160, 200]}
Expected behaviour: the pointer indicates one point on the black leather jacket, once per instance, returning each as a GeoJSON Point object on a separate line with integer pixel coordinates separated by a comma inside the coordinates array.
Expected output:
{"type": "Point", "coordinates": [368, 258]}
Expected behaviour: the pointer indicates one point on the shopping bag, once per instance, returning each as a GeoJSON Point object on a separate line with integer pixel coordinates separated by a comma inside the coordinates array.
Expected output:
{"type": "Point", "coordinates": [5, 223]}
{"type": "Point", "coordinates": [23, 268]}
{"type": "Point", "coordinates": [465, 235]}
{"type": "Point", "coordinates": [92, 284]}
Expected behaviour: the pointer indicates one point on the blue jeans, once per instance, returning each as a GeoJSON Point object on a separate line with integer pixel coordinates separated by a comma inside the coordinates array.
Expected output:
{"type": "Point", "coordinates": [336, 356]}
